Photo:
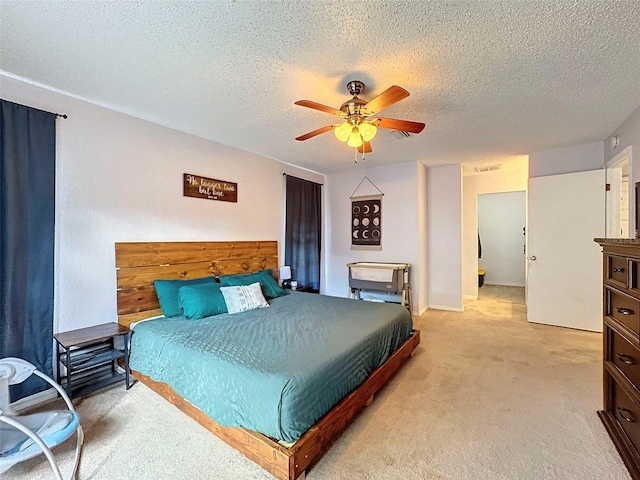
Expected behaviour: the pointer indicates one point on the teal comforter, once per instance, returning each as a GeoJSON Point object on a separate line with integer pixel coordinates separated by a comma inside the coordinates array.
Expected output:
{"type": "Point", "coordinates": [274, 370]}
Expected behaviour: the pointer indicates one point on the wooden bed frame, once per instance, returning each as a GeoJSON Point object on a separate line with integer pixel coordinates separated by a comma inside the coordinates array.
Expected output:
{"type": "Point", "coordinates": [138, 264]}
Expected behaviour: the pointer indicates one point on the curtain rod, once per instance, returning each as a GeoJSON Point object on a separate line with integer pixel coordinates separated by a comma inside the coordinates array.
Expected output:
{"type": "Point", "coordinates": [293, 176]}
{"type": "Point", "coordinates": [63, 115]}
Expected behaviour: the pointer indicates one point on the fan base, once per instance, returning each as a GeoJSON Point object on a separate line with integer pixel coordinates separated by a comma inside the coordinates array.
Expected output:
{"type": "Point", "coordinates": [355, 87]}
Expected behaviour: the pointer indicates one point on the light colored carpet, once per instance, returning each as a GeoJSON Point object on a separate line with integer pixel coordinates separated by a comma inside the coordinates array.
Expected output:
{"type": "Point", "coordinates": [487, 396]}
{"type": "Point", "coordinates": [501, 293]}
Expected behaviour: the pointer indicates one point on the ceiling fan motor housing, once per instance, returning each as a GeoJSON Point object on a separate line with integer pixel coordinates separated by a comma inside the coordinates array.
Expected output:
{"type": "Point", "coordinates": [354, 107]}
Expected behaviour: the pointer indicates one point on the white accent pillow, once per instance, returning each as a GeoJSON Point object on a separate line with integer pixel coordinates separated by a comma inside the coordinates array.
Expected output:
{"type": "Point", "coordinates": [244, 298]}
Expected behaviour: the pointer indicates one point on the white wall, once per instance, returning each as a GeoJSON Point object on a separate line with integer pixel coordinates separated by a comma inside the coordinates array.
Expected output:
{"type": "Point", "coordinates": [400, 225]}
{"type": "Point", "coordinates": [444, 231]}
{"type": "Point", "coordinates": [423, 300]}
{"type": "Point", "coordinates": [119, 179]}
{"type": "Point", "coordinates": [628, 133]}
{"type": "Point", "coordinates": [474, 185]}
{"type": "Point", "coordinates": [577, 158]}
{"type": "Point", "coordinates": [501, 219]}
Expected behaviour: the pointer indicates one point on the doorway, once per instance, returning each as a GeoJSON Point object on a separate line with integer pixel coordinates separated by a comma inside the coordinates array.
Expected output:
{"type": "Point", "coordinates": [501, 245]}
{"type": "Point", "coordinates": [617, 206]}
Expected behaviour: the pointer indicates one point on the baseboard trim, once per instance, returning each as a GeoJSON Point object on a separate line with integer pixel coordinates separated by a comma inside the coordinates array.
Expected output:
{"type": "Point", "coordinates": [470, 297]}
{"type": "Point", "coordinates": [505, 284]}
{"type": "Point", "coordinates": [447, 308]}
{"type": "Point", "coordinates": [34, 400]}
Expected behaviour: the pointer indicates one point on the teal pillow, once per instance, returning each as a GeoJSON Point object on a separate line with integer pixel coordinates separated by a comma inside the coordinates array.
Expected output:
{"type": "Point", "coordinates": [270, 287]}
{"type": "Point", "coordinates": [201, 300]}
{"type": "Point", "coordinates": [167, 291]}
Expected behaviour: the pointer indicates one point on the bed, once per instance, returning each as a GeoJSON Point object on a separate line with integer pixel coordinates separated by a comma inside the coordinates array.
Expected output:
{"type": "Point", "coordinates": [313, 363]}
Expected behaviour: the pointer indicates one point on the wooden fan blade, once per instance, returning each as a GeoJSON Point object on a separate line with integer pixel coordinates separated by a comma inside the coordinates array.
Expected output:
{"type": "Point", "coordinates": [309, 135]}
{"type": "Point", "coordinates": [387, 98]}
{"type": "Point", "coordinates": [365, 148]}
{"type": "Point", "coordinates": [319, 106]}
{"type": "Point", "coordinates": [402, 125]}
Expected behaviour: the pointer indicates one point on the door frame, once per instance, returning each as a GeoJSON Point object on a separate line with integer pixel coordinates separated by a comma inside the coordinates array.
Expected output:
{"type": "Point", "coordinates": [625, 156]}
{"type": "Point", "coordinates": [525, 196]}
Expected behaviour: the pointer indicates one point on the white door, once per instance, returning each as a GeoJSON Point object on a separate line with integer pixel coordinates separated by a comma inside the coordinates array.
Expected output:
{"type": "Point", "coordinates": [566, 212]}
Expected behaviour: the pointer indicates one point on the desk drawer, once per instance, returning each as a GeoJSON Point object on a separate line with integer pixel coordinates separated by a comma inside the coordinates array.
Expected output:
{"type": "Point", "coordinates": [627, 413]}
{"type": "Point", "coordinates": [623, 308]}
{"type": "Point", "coordinates": [617, 270]}
{"type": "Point", "coordinates": [624, 356]}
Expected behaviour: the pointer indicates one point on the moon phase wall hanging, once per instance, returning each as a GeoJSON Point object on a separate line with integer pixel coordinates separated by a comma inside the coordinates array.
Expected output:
{"type": "Point", "coordinates": [366, 222]}
{"type": "Point", "coordinates": [366, 218]}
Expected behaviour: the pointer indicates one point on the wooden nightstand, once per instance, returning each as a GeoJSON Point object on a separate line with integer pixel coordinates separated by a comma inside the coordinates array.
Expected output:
{"type": "Point", "coordinates": [89, 357]}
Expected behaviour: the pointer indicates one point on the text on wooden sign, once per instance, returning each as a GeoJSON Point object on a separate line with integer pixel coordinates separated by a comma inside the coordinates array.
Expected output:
{"type": "Point", "coordinates": [210, 188]}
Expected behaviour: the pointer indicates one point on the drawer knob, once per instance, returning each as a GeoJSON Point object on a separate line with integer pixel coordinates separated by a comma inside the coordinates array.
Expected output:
{"type": "Point", "coordinates": [618, 270]}
{"type": "Point", "coordinates": [622, 411]}
{"type": "Point", "coordinates": [625, 359]}
{"type": "Point", "coordinates": [624, 311]}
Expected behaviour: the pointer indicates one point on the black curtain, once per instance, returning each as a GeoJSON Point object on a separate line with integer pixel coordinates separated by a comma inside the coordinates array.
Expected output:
{"type": "Point", "coordinates": [27, 195]}
{"type": "Point", "coordinates": [302, 233]}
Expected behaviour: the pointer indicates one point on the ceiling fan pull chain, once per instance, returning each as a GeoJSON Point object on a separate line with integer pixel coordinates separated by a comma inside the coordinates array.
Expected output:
{"type": "Point", "coordinates": [355, 154]}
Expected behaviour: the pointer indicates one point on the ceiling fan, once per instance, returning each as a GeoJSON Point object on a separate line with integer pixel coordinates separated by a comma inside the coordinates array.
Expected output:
{"type": "Point", "coordinates": [360, 121]}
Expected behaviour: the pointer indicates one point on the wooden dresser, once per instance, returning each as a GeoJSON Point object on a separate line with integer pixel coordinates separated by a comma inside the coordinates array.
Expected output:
{"type": "Point", "coordinates": [621, 413]}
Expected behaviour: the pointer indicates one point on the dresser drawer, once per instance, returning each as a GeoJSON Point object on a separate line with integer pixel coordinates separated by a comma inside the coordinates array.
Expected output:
{"type": "Point", "coordinates": [617, 269]}
{"type": "Point", "coordinates": [623, 308]}
{"type": "Point", "coordinates": [624, 356]}
{"type": "Point", "coordinates": [627, 413]}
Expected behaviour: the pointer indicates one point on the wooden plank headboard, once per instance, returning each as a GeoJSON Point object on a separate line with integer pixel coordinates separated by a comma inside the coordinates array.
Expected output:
{"type": "Point", "coordinates": [138, 264]}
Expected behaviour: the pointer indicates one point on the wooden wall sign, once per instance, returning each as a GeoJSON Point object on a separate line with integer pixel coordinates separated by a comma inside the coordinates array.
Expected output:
{"type": "Point", "coordinates": [210, 188]}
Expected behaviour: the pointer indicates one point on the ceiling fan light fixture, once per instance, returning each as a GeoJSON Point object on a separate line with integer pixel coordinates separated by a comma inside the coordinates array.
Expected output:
{"type": "Point", "coordinates": [355, 139]}
{"type": "Point", "coordinates": [342, 131]}
{"type": "Point", "coordinates": [368, 131]}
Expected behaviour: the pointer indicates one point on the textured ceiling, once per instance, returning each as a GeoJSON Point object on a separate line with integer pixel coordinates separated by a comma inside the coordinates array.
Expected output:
{"type": "Point", "coordinates": [491, 80]}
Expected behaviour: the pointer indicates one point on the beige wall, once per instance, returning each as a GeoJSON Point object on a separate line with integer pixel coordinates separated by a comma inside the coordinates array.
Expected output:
{"type": "Point", "coordinates": [401, 224]}
{"type": "Point", "coordinates": [421, 276]}
{"type": "Point", "coordinates": [119, 179]}
{"type": "Point", "coordinates": [574, 158]}
{"type": "Point", "coordinates": [444, 237]}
